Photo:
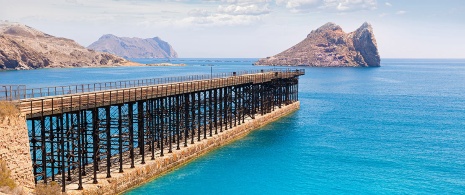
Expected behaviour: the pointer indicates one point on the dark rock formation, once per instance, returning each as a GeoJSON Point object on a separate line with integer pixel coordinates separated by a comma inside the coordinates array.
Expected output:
{"type": "Point", "coordinates": [134, 47]}
{"type": "Point", "coordinates": [330, 46]}
{"type": "Point", "coordinates": [22, 47]}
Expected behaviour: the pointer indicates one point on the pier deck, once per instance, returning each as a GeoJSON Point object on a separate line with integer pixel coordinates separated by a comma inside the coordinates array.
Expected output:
{"type": "Point", "coordinates": [50, 105]}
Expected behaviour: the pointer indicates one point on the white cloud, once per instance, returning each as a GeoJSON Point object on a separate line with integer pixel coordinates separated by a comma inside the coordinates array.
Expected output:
{"type": "Point", "coordinates": [219, 20]}
{"type": "Point", "coordinates": [228, 13]}
{"type": "Point", "coordinates": [241, 2]}
{"type": "Point", "coordinates": [146, 13]}
{"type": "Point", "coordinates": [297, 5]}
{"type": "Point", "coordinates": [350, 5]}
{"type": "Point", "coordinates": [401, 12]}
{"type": "Point", "coordinates": [199, 13]}
{"type": "Point", "coordinates": [388, 4]}
{"type": "Point", "coordinates": [243, 10]}
{"type": "Point", "coordinates": [336, 5]}
{"type": "Point", "coordinates": [90, 11]}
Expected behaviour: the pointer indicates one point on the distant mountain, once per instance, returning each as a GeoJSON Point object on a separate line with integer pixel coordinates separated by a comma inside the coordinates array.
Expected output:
{"type": "Point", "coordinates": [134, 47]}
{"type": "Point", "coordinates": [330, 46]}
{"type": "Point", "coordinates": [22, 47]}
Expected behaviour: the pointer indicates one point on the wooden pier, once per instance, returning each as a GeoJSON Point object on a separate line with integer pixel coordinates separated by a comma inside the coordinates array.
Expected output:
{"type": "Point", "coordinates": [87, 129]}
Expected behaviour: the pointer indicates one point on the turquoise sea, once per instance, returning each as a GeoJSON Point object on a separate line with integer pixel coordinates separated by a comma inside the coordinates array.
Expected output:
{"type": "Point", "coordinates": [396, 129]}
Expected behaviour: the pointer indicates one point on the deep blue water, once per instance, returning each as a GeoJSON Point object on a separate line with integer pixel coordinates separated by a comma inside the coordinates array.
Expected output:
{"type": "Point", "coordinates": [397, 129]}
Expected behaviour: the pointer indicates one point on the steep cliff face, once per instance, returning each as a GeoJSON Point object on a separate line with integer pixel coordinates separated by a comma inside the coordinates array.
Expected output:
{"type": "Point", "coordinates": [330, 46]}
{"type": "Point", "coordinates": [365, 43]}
{"type": "Point", "coordinates": [134, 47]}
{"type": "Point", "coordinates": [22, 47]}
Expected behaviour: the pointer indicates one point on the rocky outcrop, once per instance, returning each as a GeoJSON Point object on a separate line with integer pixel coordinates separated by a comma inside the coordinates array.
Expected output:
{"type": "Point", "coordinates": [330, 46]}
{"type": "Point", "coordinates": [134, 47]}
{"type": "Point", "coordinates": [22, 47]}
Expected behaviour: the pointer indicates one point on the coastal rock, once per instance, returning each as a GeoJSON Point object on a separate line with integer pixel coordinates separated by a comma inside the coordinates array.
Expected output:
{"type": "Point", "coordinates": [134, 47]}
{"type": "Point", "coordinates": [330, 46]}
{"type": "Point", "coordinates": [23, 47]}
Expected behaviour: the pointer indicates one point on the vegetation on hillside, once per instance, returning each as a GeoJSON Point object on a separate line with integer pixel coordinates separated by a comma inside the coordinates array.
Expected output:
{"type": "Point", "coordinates": [7, 185]}
{"type": "Point", "coordinates": [8, 109]}
{"type": "Point", "coordinates": [53, 188]}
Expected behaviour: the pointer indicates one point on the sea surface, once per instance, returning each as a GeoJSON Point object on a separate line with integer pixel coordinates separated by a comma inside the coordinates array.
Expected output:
{"type": "Point", "coordinates": [396, 129]}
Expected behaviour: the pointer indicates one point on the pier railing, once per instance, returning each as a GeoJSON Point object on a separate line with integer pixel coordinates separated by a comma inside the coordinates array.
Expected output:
{"type": "Point", "coordinates": [20, 92]}
{"type": "Point", "coordinates": [12, 92]}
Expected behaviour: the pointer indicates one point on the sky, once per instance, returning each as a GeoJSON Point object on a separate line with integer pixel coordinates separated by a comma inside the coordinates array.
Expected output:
{"type": "Point", "coordinates": [250, 29]}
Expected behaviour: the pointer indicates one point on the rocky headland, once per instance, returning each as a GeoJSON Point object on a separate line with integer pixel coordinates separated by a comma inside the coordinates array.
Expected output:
{"type": "Point", "coordinates": [330, 46]}
{"type": "Point", "coordinates": [23, 47]}
{"type": "Point", "coordinates": [134, 47]}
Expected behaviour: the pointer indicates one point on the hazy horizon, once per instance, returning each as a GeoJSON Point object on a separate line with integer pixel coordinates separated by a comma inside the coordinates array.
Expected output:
{"type": "Point", "coordinates": [250, 29]}
{"type": "Point", "coordinates": [385, 58]}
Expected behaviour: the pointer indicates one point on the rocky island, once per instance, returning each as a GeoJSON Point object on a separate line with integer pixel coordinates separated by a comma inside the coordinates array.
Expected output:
{"type": "Point", "coordinates": [134, 47]}
{"type": "Point", "coordinates": [23, 47]}
{"type": "Point", "coordinates": [330, 46]}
